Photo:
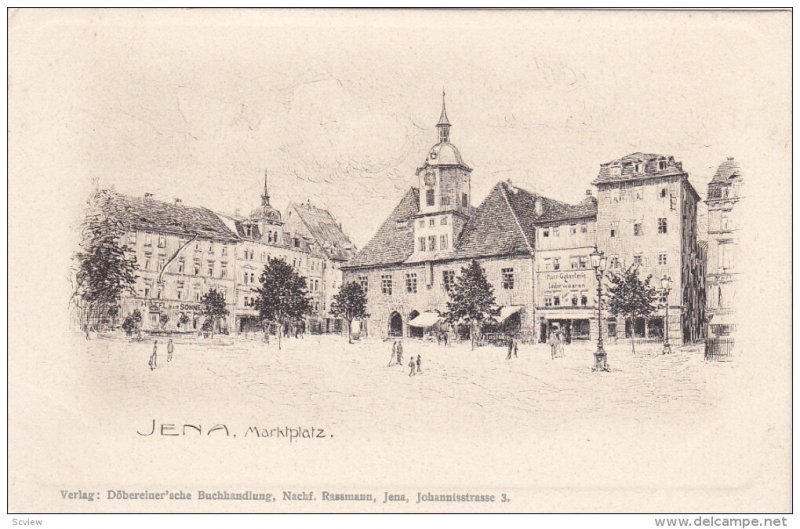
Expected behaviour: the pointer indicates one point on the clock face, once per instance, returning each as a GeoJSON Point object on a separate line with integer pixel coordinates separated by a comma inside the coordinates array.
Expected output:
{"type": "Point", "coordinates": [430, 178]}
{"type": "Point", "coordinates": [433, 155]}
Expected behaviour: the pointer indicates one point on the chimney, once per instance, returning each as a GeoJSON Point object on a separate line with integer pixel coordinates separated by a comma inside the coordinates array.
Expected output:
{"type": "Point", "coordinates": [178, 202]}
{"type": "Point", "coordinates": [148, 195]}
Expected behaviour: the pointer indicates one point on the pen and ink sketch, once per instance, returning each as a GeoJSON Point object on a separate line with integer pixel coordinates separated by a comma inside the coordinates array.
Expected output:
{"type": "Point", "coordinates": [431, 289]}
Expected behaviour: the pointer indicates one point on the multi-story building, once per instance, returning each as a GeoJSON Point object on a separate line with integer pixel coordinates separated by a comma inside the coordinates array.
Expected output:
{"type": "Point", "coordinates": [412, 261]}
{"type": "Point", "coordinates": [647, 216]}
{"type": "Point", "coordinates": [329, 248]}
{"type": "Point", "coordinates": [182, 252]}
{"type": "Point", "coordinates": [724, 193]}
{"type": "Point", "coordinates": [566, 285]}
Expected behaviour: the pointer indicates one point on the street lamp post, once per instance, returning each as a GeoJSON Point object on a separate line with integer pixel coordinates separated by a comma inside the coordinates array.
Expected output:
{"type": "Point", "coordinates": [666, 285]}
{"type": "Point", "coordinates": [598, 261]}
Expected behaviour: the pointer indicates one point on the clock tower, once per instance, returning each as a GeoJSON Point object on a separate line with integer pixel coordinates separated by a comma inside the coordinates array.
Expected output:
{"type": "Point", "coordinates": [444, 195]}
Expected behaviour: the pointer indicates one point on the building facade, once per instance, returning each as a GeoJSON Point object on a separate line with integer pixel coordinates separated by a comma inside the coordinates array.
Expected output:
{"type": "Point", "coordinates": [647, 216]}
{"type": "Point", "coordinates": [182, 252]}
{"type": "Point", "coordinates": [724, 194]}
{"type": "Point", "coordinates": [412, 261]}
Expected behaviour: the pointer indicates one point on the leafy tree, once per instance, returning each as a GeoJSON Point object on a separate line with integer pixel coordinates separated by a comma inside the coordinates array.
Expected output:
{"type": "Point", "coordinates": [212, 306]}
{"type": "Point", "coordinates": [350, 303]}
{"type": "Point", "coordinates": [630, 297]}
{"type": "Point", "coordinates": [283, 296]}
{"type": "Point", "coordinates": [104, 270]}
{"type": "Point", "coordinates": [471, 300]}
{"type": "Point", "coordinates": [132, 322]}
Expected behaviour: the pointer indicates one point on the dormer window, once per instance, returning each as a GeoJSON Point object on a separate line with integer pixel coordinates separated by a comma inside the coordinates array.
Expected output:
{"type": "Point", "coordinates": [638, 168]}
{"type": "Point", "coordinates": [662, 164]}
{"type": "Point", "coordinates": [400, 224]}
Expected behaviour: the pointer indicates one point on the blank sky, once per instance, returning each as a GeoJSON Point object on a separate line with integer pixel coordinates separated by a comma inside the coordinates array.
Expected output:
{"type": "Point", "coordinates": [340, 106]}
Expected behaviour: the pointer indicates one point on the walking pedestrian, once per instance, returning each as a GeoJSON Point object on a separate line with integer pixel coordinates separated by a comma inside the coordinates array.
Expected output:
{"type": "Point", "coordinates": [419, 364]}
{"type": "Point", "coordinates": [170, 350]}
{"type": "Point", "coordinates": [412, 365]}
{"type": "Point", "coordinates": [154, 357]}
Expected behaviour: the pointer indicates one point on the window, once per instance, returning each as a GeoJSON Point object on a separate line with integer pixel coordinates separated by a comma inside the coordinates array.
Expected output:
{"type": "Point", "coordinates": [223, 273]}
{"type": "Point", "coordinates": [411, 283]}
{"type": "Point", "coordinates": [181, 265]}
{"type": "Point", "coordinates": [132, 237]}
{"type": "Point", "coordinates": [429, 197]}
{"type": "Point", "coordinates": [638, 168]}
{"type": "Point", "coordinates": [548, 264]}
{"type": "Point", "coordinates": [444, 221]}
{"type": "Point", "coordinates": [162, 241]}
{"type": "Point", "coordinates": [662, 258]}
{"type": "Point", "coordinates": [400, 224]}
{"type": "Point", "coordinates": [159, 292]}
{"type": "Point", "coordinates": [508, 278]}
{"type": "Point", "coordinates": [573, 229]}
{"type": "Point", "coordinates": [148, 241]}
{"type": "Point", "coordinates": [197, 247]}
{"type": "Point", "coordinates": [555, 231]}
{"type": "Point", "coordinates": [613, 231]}
{"type": "Point", "coordinates": [573, 263]}
{"type": "Point", "coordinates": [210, 247]}
{"type": "Point", "coordinates": [448, 279]}
{"type": "Point", "coordinates": [574, 299]}
{"type": "Point", "coordinates": [548, 301]}
{"type": "Point", "coordinates": [252, 277]}
{"type": "Point", "coordinates": [662, 225]}
{"type": "Point", "coordinates": [556, 264]}
{"type": "Point", "coordinates": [584, 299]}
{"type": "Point", "coordinates": [583, 261]}
{"type": "Point", "coordinates": [614, 262]}
{"type": "Point", "coordinates": [662, 297]}
{"type": "Point", "coordinates": [431, 222]}
{"type": "Point", "coordinates": [421, 223]}
{"type": "Point", "coordinates": [663, 193]}
{"type": "Point", "coordinates": [147, 290]}
{"type": "Point", "coordinates": [160, 263]}
{"type": "Point", "coordinates": [197, 268]}
{"type": "Point", "coordinates": [662, 164]}
{"type": "Point", "coordinates": [725, 221]}
{"type": "Point", "coordinates": [422, 244]}
{"type": "Point", "coordinates": [386, 284]}
{"type": "Point", "coordinates": [147, 262]}
{"type": "Point", "coordinates": [464, 200]}
{"type": "Point", "coordinates": [637, 191]}
{"type": "Point", "coordinates": [445, 201]}
{"type": "Point", "coordinates": [556, 301]}
{"type": "Point", "coordinates": [444, 242]}
{"type": "Point", "coordinates": [197, 295]}
{"type": "Point", "coordinates": [545, 232]}
{"type": "Point", "coordinates": [432, 242]}
{"type": "Point", "coordinates": [179, 293]}
{"type": "Point", "coordinates": [637, 260]}
{"type": "Point", "coordinates": [211, 269]}
{"type": "Point", "coordinates": [364, 282]}
{"type": "Point", "coordinates": [637, 229]}
{"type": "Point", "coordinates": [584, 228]}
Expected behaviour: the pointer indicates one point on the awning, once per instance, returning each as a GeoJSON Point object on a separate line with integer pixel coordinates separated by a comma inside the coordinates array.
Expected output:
{"type": "Point", "coordinates": [507, 312]}
{"type": "Point", "coordinates": [426, 319]}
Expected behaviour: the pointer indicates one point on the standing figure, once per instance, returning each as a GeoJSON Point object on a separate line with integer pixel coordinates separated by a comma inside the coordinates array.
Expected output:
{"type": "Point", "coordinates": [412, 365]}
{"type": "Point", "coordinates": [552, 341]}
{"type": "Point", "coordinates": [399, 353]}
{"type": "Point", "coordinates": [154, 357]}
{"type": "Point", "coordinates": [445, 336]}
{"type": "Point", "coordinates": [170, 350]}
{"type": "Point", "coordinates": [419, 364]}
{"type": "Point", "coordinates": [560, 345]}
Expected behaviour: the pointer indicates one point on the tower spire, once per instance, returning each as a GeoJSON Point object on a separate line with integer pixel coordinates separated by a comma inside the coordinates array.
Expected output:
{"type": "Point", "coordinates": [265, 196]}
{"type": "Point", "coordinates": [444, 123]}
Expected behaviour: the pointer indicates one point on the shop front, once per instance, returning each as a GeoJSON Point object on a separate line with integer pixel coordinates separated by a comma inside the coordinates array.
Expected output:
{"type": "Point", "coordinates": [563, 304]}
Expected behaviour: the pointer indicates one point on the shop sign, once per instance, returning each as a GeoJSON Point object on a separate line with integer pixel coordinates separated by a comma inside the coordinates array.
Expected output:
{"type": "Point", "coordinates": [562, 281]}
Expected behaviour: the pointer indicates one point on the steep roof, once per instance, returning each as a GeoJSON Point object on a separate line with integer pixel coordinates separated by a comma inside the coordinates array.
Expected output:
{"type": "Point", "coordinates": [625, 168]}
{"type": "Point", "coordinates": [390, 244]}
{"type": "Point", "coordinates": [728, 169]}
{"type": "Point", "coordinates": [149, 214]}
{"type": "Point", "coordinates": [504, 224]}
{"type": "Point", "coordinates": [326, 231]}
{"type": "Point", "coordinates": [495, 228]}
